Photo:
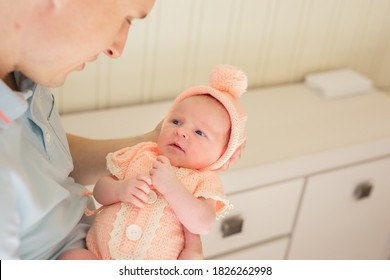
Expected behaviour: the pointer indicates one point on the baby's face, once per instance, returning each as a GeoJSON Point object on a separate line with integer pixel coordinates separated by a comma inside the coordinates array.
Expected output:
{"type": "Point", "coordinates": [196, 133]}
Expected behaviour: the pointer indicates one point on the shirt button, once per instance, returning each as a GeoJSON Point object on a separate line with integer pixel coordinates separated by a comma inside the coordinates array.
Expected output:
{"type": "Point", "coordinates": [47, 137]}
{"type": "Point", "coordinates": [133, 232]}
{"type": "Point", "coordinates": [152, 197]}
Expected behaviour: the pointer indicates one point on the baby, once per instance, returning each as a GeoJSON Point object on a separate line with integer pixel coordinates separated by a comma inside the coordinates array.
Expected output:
{"type": "Point", "coordinates": [156, 189]}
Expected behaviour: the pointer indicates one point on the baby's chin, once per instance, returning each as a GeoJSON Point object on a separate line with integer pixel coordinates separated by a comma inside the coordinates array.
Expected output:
{"type": "Point", "coordinates": [181, 164]}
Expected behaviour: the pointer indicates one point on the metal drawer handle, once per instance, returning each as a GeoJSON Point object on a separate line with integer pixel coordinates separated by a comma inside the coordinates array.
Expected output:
{"type": "Point", "coordinates": [232, 226]}
{"type": "Point", "coordinates": [363, 190]}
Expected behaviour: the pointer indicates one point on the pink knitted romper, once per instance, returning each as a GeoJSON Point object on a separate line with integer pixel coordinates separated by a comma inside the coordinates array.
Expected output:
{"type": "Point", "coordinates": [124, 231]}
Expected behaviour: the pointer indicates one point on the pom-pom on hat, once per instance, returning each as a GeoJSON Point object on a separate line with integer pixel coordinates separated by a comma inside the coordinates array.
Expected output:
{"type": "Point", "coordinates": [226, 84]}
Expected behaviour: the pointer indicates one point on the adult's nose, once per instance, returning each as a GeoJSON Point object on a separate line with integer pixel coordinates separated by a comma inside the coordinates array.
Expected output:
{"type": "Point", "coordinates": [116, 49]}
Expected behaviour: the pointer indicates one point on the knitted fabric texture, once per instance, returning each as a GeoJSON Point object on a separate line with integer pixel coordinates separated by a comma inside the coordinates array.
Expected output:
{"type": "Point", "coordinates": [162, 233]}
{"type": "Point", "coordinates": [227, 84]}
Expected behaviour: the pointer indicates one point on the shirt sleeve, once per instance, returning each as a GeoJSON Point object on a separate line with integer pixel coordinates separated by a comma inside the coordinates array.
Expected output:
{"type": "Point", "coordinates": [210, 187]}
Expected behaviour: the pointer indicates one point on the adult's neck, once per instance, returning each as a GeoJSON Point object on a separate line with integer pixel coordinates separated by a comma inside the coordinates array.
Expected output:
{"type": "Point", "coordinates": [9, 80]}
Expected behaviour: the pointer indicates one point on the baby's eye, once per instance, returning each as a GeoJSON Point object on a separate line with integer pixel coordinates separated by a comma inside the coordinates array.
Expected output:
{"type": "Point", "coordinates": [176, 122]}
{"type": "Point", "coordinates": [200, 133]}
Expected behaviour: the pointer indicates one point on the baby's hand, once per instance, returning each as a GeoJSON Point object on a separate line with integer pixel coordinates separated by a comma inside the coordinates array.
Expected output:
{"type": "Point", "coordinates": [135, 190]}
{"type": "Point", "coordinates": [163, 175]}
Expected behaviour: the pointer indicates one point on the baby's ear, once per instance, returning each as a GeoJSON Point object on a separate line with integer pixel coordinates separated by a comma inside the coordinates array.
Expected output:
{"type": "Point", "coordinates": [237, 154]}
{"type": "Point", "coordinates": [235, 157]}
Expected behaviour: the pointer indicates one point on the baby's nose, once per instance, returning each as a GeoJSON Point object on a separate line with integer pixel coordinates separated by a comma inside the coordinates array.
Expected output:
{"type": "Point", "coordinates": [182, 133]}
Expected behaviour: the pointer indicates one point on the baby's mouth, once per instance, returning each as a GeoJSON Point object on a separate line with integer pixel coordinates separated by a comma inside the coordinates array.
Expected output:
{"type": "Point", "coordinates": [176, 146]}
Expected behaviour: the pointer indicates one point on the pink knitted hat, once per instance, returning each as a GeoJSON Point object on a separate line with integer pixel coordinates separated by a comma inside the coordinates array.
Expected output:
{"type": "Point", "coordinates": [227, 84]}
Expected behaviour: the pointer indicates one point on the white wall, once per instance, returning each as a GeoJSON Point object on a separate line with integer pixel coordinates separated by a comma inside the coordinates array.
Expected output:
{"type": "Point", "coordinates": [273, 41]}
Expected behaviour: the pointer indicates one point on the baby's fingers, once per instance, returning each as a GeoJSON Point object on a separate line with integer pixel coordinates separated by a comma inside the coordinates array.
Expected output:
{"type": "Point", "coordinates": [136, 202]}
{"type": "Point", "coordinates": [138, 194]}
{"type": "Point", "coordinates": [163, 160]}
{"type": "Point", "coordinates": [146, 180]}
{"type": "Point", "coordinates": [138, 198]}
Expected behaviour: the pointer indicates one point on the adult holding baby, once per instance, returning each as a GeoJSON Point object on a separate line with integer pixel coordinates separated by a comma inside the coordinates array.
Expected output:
{"type": "Point", "coordinates": [43, 169]}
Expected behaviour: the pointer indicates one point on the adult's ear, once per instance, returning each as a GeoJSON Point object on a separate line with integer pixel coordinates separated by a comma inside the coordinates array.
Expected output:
{"type": "Point", "coordinates": [58, 3]}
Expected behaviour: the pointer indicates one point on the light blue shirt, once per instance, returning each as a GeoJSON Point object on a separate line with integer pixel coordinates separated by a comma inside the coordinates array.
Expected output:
{"type": "Point", "coordinates": [40, 205]}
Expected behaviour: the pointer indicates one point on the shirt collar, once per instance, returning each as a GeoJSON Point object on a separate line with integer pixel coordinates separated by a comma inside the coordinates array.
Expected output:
{"type": "Point", "coordinates": [13, 104]}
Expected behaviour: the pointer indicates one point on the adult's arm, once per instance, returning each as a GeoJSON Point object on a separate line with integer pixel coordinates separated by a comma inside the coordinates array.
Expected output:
{"type": "Point", "coordinates": [89, 155]}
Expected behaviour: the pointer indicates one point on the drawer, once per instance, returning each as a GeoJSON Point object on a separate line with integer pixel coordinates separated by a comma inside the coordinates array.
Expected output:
{"type": "Point", "coordinates": [274, 250]}
{"type": "Point", "coordinates": [259, 214]}
{"type": "Point", "coordinates": [345, 214]}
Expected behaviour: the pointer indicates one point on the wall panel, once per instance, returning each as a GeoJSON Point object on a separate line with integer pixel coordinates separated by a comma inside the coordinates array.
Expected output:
{"type": "Point", "coordinates": [273, 41]}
